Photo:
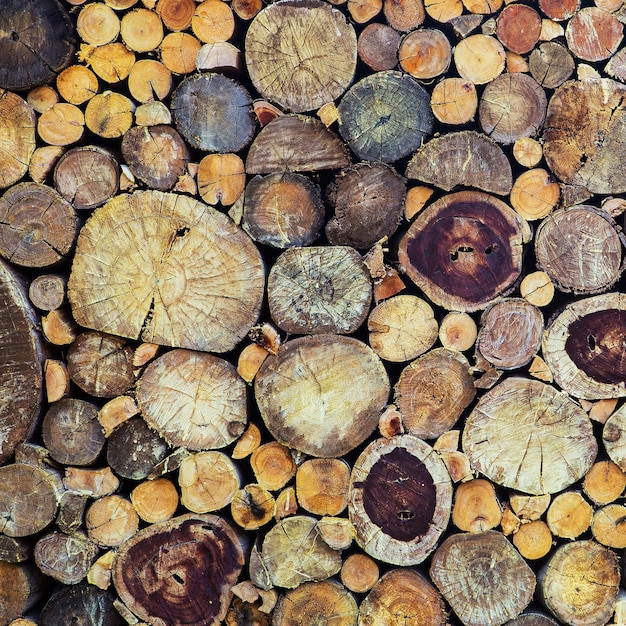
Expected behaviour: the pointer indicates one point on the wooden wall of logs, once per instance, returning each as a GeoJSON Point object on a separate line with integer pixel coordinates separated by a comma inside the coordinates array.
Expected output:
{"type": "Point", "coordinates": [312, 312]}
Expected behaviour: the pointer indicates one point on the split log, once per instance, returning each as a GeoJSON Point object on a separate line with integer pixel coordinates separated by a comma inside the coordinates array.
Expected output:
{"type": "Point", "coordinates": [305, 394]}
{"type": "Point", "coordinates": [359, 573]}
{"type": "Point", "coordinates": [155, 500]}
{"type": "Point", "coordinates": [402, 596]}
{"type": "Point", "coordinates": [65, 558]}
{"type": "Point", "coordinates": [28, 501]}
{"type": "Point", "coordinates": [483, 578]}
{"type": "Point", "coordinates": [433, 391]}
{"type": "Point", "coordinates": [87, 176]}
{"type": "Point", "coordinates": [116, 412]}
{"type": "Point", "coordinates": [17, 135]}
{"type": "Point", "coordinates": [35, 45]}
{"type": "Point", "coordinates": [72, 433]}
{"type": "Point", "coordinates": [78, 604]}
{"type": "Point", "coordinates": [156, 155]}
{"type": "Point", "coordinates": [399, 500]}
{"type": "Point", "coordinates": [326, 602]}
{"type": "Point", "coordinates": [193, 399]}
{"type": "Point", "coordinates": [37, 226]}
{"type": "Point", "coordinates": [529, 507]}
{"type": "Point", "coordinates": [580, 582]}
{"type": "Point", "coordinates": [584, 347]}
{"type": "Point", "coordinates": [293, 553]}
{"type": "Point", "coordinates": [510, 333]}
{"type": "Point", "coordinates": [213, 113]}
{"type": "Point", "coordinates": [301, 77]}
{"type": "Point", "coordinates": [512, 92]}
{"type": "Point", "coordinates": [464, 158]}
{"type": "Point", "coordinates": [181, 260]}
{"type": "Point", "coordinates": [295, 143]}
{"type": "Point", "coordinates": [319, 290]}
{"type": "Point", "coordinates": [322, 486]}
{"type": "Point", "coordinates": [368, 200]}
{"type": "Point", "coordinates": [94, 483]}
{"type": "Point", "coordinates": [464, 250]}
{"type": "Point", "coordinates": [614, 436]}
{"type": "Point", "coordinates": [526, 435]}
{"type": "Point", "coordinates": [385, 116]}
{"type": "Point", "coordinates": [134, 449]}
{"type": "Point", "coordinates": [283, 210]}
{"type": "Point", "coordinates": [21, 377]}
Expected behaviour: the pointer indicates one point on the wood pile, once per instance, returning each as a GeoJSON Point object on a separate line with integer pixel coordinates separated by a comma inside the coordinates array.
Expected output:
{"type": "Point", "coordinates": [312, 312]}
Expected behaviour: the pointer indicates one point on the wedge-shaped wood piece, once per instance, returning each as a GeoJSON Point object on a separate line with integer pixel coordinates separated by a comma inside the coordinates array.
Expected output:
{"type": "Point", "coordinates": [463, 158]}
{"type": "Point", "coordinates": [464, 250]}
{"type": "Point", "coordinates": [483, 578]}
{"type": "Point", "coordinates": [167, 269]}
{"type": "Point", "coordinates": [162, 573]}
{"type": "Point", "coordinates": [301, 54]}
{"type": "Point", "coordinates": [318, 290]}
{"type": "Point", "coordinates": [322, 395]}
{"type": "Point", "coordinates": [528, 436]}
{"type": "Point", "coordinates": [402, 596]}
{"type": "Point", "coordinates": [584, 347]}
{"type": "Point", "coordinates": [295, 143]}
{"type": "Point", "coordinates": [400, 499]}
{"type": "Point", "coordinates": [194, 400]}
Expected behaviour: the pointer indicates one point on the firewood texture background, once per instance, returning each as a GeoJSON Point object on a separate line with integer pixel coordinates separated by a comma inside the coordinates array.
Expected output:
{"type": "Point", "coordinates": [312, 312]}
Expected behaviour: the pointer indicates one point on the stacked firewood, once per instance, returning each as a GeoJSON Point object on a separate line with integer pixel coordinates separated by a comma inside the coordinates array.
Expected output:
{"type": "Point", "coordinates": [312, 312]}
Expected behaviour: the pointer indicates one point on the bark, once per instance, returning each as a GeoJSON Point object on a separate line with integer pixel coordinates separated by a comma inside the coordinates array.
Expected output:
{"type": "Point", "coordinates": [399, 500]}
{"type": "Point", "coordinates": [317, 412]}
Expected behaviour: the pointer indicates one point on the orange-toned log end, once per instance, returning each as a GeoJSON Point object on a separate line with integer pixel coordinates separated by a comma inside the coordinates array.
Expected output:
{"type": "Point", "coordinates": [180, 572]}
{"type": "Point", "coordinates": [518, 27]}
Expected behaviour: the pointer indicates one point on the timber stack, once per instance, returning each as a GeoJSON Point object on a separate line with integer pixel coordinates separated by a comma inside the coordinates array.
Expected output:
{"type": "Point", "coordinates": [312, 312]}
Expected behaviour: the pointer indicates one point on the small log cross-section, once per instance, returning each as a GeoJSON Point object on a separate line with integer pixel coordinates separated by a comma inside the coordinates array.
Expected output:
{"type": "Point", "coordinates": [166, 269]}
{"type": "Point", "coordinates": [526, 435]}
{"type": "Point", "coordinates": [306, 394]}
{"type": "Point", "coordinates": [400, 499]}
{"type": "Point", "coordinates": [483, 577]}
{"type": "Point", "coordinates": [180, 571]}
{"type": "Point", "coordinates": [465, 250]}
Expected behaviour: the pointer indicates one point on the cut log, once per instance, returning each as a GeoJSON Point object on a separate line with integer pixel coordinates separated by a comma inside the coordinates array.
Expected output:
{"type": "Point", "coordinates": [305, 394]}
{"type": "Point", "coordinates": [37, 226]}
{"type": "Point", "coordinates": [580, 248]}
{"type": "Point", "coordinates": [70, 517]}
{"type": "Point", "coordinates": [433, 391]}
{"type": "Point", "coordinates": [457, 331]}
{"type": "Point", "coordinates": [551, 64]}
{"type": "Point", "coordinates": [133, 449]}
{"type": "Point", "coordinates": [528, 151]}
{"type": "Point", "coordinates": [72, 433]}
{"type": "Point", "coordinates": [608, 526]}
{"type": "Point", "coordinates": [65, 558]}
{"type": "Point", "coordinates": [359, 573]}
{"type": "Point", "coordinates": [512, 92]}
{"type": "Point", "coordinates": [97, 24]}
{"type": "Point", "coordinates": [249, 441]}
{"type": "Point", "coordinates": [283, 210]}
{"type": "Point", "coordinates": [559, 9]}
{"type": "Point", "coordinates": [176, 14]}
{"type": "Point", "coordinates": [385, 116]}
{"type": "Point", "coordinates": [87, 176]}
{"type": "Point", "coordinates": [182, 261]}
{"type": "Point", "coordinates": [326, 602]}
{"type": "Point", "coordinates": [377, 46]}
{"type": "Point", "coordinates": [584, 347]}
{"type": "Point", "coordinates": [483, 578]}
{"type": "Point", "coordinates": [213, 113]}
{"type": "Point", "coordinates": [43, 161]}
{"type": "Point", "coordinates": [221, 178]}
{"type": "Point", "coordinates": [35, 45]}
{"type": "Point", "coordinates": [293, 553]}
{"type": "Point", "coordinates": [463, 158]}
{"type": "Point", "coordinates": [111, 62]}
{"type": "Point", "coordinates": [529, 507]}
{"type": "Point", "coordinates": [368, 200]}
{"type": "Point", "coordinates": [399, 500]}
{"type": "Point", "coordinates": [319, 290]}
{"type": "Point", "coordinates": [580, 582]}
{"type": "Point", "coordinates": [155, 500]}
{"type": "Point", "coordinates": [252, 507]}
{"type": "Point", "coordinates": [518, 27]}
{"type": "Point", "coordinates": [101, 364]}
{"type": "Point", "coordinates": [273, 465]}
{"type": "Point", "coordinates": [295, 143]}
{"type": "Point", "coordinates": [179, 51]}
{"type": "Point", "coordinates": [21, 378]}
{"type": "Point", "coordinates": [479, 58]}
{"type": "Point", "coordinates": [295, 76]}
{"type": "Point", "coordinates": [193, 400]}
{"type": "Point", "coordinates": [21, 588]}
{"type": "Point", "coordinates": [116, 412]}
{"type": "Point", "coordinates": [425, 53]}
{"type": "Point", "coordinates": [28, 500]}
{"type": "Point", "coordinates": [464, 250]}
{"type": "Point", "coordinates": [402, 596]}
{"type": "Point", "coordinates": [594, 34]}
{"type": "Point", "coordinates": [510, 333]}
{"type": "Point", "coordinates": [444, 10]}
{"type": "Point", "coordinates": [322, 486]}
{"type": "Point", "coordinates": [94, 483]}
{"type": "Point", "coordinates": [533, 540]}
{"type": "Point", "coordinates": [476, 507]}
{"type": "Point", "coordinates": [47, 291]}
{"type": "Point", "coordinates": [156, 155]}
{"type": "Point", "coordinates": [604, 482]}
{"type": "Point", "coordinates": [77, 84]}
{"type": "Point", "coordinates": [534, 194]}
{"type": "Point", "coordinates": [614, 437]}
{"type": "Point", "coordinates": [111, 520]}
{"type": "Point", "coordinates": [109, 115]}
{"type": "Point", "coordinates": [454, 101]}
{"type": "Point", "coordinates": [141, 30]}
{"type": "Point", "coordinates": [526, 435]}
{"type": "Point", "coordinates": [80, 604]}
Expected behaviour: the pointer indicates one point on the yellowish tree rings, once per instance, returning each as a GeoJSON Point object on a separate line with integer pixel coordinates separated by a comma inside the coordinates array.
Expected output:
{"type": "Point", "coordinates": [454, 101]}
{"type": "Point", "coordinates": [526, 435]}
{"type": "Point", "coordinates": [425, 53]}
{"type": "Point", "coordinates": [17, 137]}
{"type": "Point", "coordinates": [301, 55]}
{"type": "Point", "coordinates": [479, 58]}
{"type": "Point", "coordinates": [143, 259]}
